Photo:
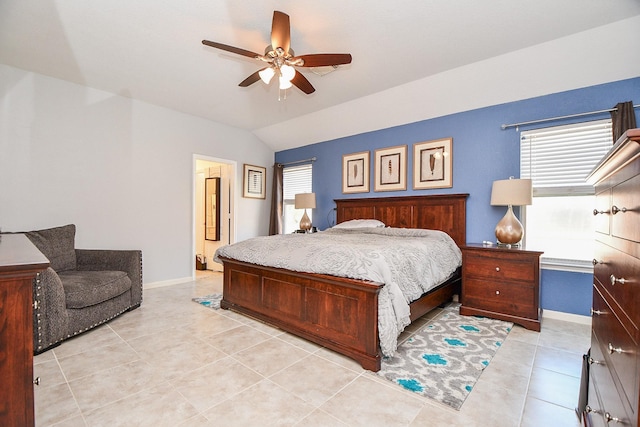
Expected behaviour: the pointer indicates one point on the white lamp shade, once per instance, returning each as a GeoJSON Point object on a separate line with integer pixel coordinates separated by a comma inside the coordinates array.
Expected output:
{"type": "Point", "coordinates": [284, 83]}
{"type": "Point", "coordinates": [288, 72]}
{"type": "Point", "coordinates": [305, 201]}
{"type": "Point", "coordinates": [515, 192]}
{"type": "Point", "coordinates": [266, 75]}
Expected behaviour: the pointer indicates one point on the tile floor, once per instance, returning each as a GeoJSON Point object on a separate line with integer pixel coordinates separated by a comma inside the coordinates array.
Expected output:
{"type": "Point", "coordinates": [173, 362]}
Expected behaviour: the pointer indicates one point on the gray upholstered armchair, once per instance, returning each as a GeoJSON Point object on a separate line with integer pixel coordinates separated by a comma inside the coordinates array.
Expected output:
{"type": "Point", "coordinates": [82, 288]}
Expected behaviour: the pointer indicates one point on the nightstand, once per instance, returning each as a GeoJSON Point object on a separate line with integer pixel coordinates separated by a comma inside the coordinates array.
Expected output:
{"type": "Point", "coordinates": [501, 283]}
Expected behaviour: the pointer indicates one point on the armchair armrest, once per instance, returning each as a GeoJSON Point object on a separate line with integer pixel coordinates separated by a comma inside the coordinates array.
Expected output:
{"type": "Point", "coordinates": [50, 318]}
{"type": "Point", "coordinates": [129, 261]}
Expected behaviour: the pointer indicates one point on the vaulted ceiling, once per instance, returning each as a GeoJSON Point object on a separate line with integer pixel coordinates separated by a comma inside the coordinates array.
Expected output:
{"type": "Point", "coordinates": [151, 49]}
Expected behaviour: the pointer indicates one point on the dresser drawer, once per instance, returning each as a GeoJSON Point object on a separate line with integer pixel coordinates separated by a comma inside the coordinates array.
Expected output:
{"type": "Point", "coordinates": [603, 394]}
{"type": "Point", "coordinates": [619, 275]}
{"type": "Point", "coordinates": [516, 299]}
{"type": "Point", "coordinates": [616, 351]}
{"type": "Point", "coordinates": [625, 210]}
{"type": "Point", "coordinates": [499, 267]}
{"type": "Point", "coordinates": [602, 211]}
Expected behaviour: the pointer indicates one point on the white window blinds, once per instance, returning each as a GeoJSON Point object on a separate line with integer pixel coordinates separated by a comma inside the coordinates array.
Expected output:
{"type": "Point", "coordinates": [296, 179]}
{"type": "Point", "coordinates": [558, 159]}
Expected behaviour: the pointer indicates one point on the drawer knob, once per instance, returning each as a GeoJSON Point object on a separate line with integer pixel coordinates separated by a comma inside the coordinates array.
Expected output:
{"type": "Point", "coordinates": [615, 209]}
{"type": "Point", "coordinates": [595, 312]}
{"type": "Point", "coordinates": [613, 349]}
{"type": "Point", "coordinates": [593, 361]}
{"type": "Point", "coordinates": [497, 268]}
{"type": "Point", "coordinates": [609, 418]}
{"type": "Point", "coordinates": [615, 280]}
{"type": "Point", "coordinates": [497, 292]}
{"type": "Point", "coordinates": [37, 381]}
{"type": "Point", "coordinates": [596, 212]}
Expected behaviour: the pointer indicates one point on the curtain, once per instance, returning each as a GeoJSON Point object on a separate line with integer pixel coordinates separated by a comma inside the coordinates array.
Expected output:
{"type": "Point", "coordinates": [623, 118]}
{"type": "Point", "coordinates": [275, 222]}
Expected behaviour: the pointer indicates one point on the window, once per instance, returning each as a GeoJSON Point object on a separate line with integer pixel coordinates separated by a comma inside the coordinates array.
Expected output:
{"type": "Point", "coordinates": [560, 221]}
{"type": "Point", "coordinates": [295, 179]}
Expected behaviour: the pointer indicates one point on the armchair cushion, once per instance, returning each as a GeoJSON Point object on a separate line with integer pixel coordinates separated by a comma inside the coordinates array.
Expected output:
{"type": "Point", "coordinates": [58, 245]}
{"type": "Point", "coordinates": [86, 288]}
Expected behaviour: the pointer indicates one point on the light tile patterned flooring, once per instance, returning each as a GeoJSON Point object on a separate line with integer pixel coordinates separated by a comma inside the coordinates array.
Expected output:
{"type": "Point", "coordinates": [175, 363]}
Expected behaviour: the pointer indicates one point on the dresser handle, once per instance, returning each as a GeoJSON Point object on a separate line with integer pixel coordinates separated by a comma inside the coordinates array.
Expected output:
{"type": "Point", "coordinates": [497, 268]}
{"type": "Point", "coordinates": [615, 280]}
{"type": "Point", "coordinates": [497, 292]}
{"type": "Point", "coordinates": [596, 212]}
{"type": "Point", "coordinates": [609, 418]}
{"type": "Point", "coordinates": [613, 349]}
{"type": "Point", "coordinates": [37, 381]}
{"type": "Point", "coordinates": [595, 312]}
{"type": "Point", "coordinates": [615, 209]}
{"type": "Point", "coordinates": [593, 361]}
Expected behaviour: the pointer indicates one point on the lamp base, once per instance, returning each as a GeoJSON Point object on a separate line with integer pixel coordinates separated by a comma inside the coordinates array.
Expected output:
{"type": "Point", "coordinates": [305, 222]}
{"type": "Point", "coordinates": [509, 230]}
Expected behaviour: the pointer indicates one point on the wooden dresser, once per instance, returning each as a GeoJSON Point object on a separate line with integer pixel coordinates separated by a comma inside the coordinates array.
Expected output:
{"type": "Point", "coordinates": [20, 262]}
{"type": "Point", "coordinates": [501, 283]}
{"type": "Point", "coordinates": [614, 372]}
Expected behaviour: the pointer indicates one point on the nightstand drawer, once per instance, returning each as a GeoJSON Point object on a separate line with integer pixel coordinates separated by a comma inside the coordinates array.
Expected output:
{"type": "Point", "coordinates": [516, 299]}
{"type": "Point", "coordinates": [487, 265]}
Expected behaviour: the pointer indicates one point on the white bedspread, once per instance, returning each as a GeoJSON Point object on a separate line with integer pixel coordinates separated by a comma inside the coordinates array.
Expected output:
{"type": "Point", "coordinates": [408, 261]}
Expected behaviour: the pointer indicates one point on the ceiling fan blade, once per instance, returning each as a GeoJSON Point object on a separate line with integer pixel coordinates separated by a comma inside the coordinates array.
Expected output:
{"type": "Point", "coordinates": [324, 59]}
{"type": "Point", "coordinates": [280, 31]}
{"type": "Point", "coordinates": [231, 49]}
{"type": "Point", "coordinates": [302, 83]}
{"type": "Point", "coordinates": [251, 79]}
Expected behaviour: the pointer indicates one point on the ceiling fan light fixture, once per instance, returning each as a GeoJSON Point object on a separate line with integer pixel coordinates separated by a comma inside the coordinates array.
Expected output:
{"type": "Point", "coordinates": [284, 83]}
{"type": "Point", "coordinates": [288, 72]}
{"type": "Point", "coordinates": [267, 74]}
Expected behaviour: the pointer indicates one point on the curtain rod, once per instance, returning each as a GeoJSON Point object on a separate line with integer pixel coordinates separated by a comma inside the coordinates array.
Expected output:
{"type": "Point", "coordinates": [312, 159]}
{"type": "Point", "coordinates": [516, 125]}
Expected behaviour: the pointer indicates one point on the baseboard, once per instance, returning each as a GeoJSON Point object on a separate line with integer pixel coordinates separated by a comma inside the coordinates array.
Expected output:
{"type": "Point", "coordinates": [166, 283]}
{"type": "Point", "coordinates": [567, 317]}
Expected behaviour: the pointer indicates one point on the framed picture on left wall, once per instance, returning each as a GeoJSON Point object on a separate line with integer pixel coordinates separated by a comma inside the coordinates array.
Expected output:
{"type": "Point", "coordinates": [254, 182]}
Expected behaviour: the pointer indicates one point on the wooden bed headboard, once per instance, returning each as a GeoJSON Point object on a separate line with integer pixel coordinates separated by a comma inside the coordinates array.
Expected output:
{"type": "Point", "coordinates": [445, 212]}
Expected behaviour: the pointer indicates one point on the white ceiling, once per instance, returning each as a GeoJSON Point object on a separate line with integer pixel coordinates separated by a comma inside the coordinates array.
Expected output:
{"type": "Point", "coordinates": [151, 49]}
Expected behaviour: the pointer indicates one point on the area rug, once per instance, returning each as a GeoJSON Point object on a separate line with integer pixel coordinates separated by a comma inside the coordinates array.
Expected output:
{"type": "Point", "coordinates": [211, 301]}
{"type": "Point", "coordinates": [444, 359]}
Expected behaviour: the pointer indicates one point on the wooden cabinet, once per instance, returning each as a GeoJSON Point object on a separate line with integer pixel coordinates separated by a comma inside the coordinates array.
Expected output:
{"type": "Point", "coordinates": [20, 263]}
{"type": "Point", "coordinates": [614, 372]}
{"type": "Point", "coordinates": [502, 283]}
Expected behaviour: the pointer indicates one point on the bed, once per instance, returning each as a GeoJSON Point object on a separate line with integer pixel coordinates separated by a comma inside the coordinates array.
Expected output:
{"type": "Point", "coordinates": [341, 313]}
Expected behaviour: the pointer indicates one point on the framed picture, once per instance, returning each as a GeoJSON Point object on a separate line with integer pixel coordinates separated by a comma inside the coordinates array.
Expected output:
{"type": "Point", "coordinates": [254, 182]}
{"type": "Point", "coordinates": [391, 168]}
{"type": "Point", "coordinates": [432, 162]}
{"type": "Point", "coordinates": [355, 172]}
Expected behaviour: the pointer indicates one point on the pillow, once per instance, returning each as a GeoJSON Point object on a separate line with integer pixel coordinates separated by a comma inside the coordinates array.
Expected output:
{"type": "Point", "coordinates": [360, 223]}
{"type": "Point", "coordinates": [58, 245]}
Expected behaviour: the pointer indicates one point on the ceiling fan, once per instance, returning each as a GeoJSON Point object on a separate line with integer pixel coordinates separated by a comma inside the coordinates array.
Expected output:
{"type": "Point", "coordinates": [281, 59]}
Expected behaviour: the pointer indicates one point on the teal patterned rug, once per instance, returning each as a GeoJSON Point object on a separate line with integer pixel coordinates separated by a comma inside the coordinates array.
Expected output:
{"type": "Point", "coordinates": [211, 301]}
{"type": "Point", "coordinates": [444, 359]}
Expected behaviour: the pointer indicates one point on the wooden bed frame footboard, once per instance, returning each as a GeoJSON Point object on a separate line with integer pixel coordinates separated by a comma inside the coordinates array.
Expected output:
{"type": "Point", "coordinates": [336, 312]}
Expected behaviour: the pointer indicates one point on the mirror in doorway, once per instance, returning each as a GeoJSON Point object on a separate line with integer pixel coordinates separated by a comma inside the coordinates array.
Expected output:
{"type": "Point", "coordinates": [212, 209]}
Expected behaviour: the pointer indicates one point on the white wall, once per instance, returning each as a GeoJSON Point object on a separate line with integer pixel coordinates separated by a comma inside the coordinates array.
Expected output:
{"type": "Point", "coordinates": [121, 170]}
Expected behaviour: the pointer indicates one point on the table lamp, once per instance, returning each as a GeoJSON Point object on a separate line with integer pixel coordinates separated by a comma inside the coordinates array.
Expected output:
{"type": "Point", "coordinates": [305, 201]}
{"type": "Point", "coordinates": [510, 192]}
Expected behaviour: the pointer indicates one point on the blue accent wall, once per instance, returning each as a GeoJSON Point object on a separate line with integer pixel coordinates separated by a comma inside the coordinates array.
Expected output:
{"type": "Point", "coordinates": [482, 153]}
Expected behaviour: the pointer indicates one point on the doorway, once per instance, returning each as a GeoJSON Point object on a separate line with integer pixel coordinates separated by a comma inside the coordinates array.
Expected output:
{"type": "Point", "coordinates": [212, 210]}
